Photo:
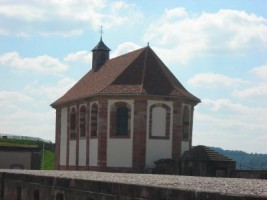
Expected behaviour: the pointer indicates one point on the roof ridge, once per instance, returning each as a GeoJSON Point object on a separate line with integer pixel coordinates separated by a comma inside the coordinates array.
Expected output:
{"type": "Point", "coordinates": [132, 52]}
{"type": "Point", "coordinates": [171, 78]}
{"type": "Point", "coordinates": [144, 70]}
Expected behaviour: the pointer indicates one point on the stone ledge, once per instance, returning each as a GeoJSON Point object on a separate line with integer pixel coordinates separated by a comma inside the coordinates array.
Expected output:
{"type": "Point", "coordinates": [145, 185]}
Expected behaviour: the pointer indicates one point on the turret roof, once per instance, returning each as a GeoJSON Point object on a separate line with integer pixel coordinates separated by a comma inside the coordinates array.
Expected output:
{"type": "Point", "coordinates": [101, 46]}
{"type": "Point", "coordinates": [140, 72]}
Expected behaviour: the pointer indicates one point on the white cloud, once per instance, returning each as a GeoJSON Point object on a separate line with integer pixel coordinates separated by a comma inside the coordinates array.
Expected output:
{"type": "Point", "coordinates": [51, 92]}
{"type": "Point", "coordinates": [254, 91]}
{"type": "Point", "coordinates": [18, 116]}
{"type": "Point", "coordinates": [124, 48]}
{"type": "Point", "coordinates": [260, 71]}
{"type": "Point", "coordinates": [42, 64]}
{"type": "Point", "coordinates": [7, 97]}
{"type": "Point", "coordinates": [84, 57]}
{"type": "Point", "coordinates": [222, 123]}
{"type": "Point", "coordinates": [178, 32]}
{"type": "Point", "coordinates": [214, 80]}
{"type": "Point", "coordinates": [29, 123]}
{"type": "Point", "coordinates": [65, 17]}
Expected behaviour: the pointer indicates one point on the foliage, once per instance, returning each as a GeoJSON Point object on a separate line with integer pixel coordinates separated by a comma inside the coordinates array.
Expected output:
{"type": "Point", "coordinates": [49, 160]}
{"type": "Point", "coordinates": [246, 161]}
{"type": "Point", "coordinates": [24, 142]}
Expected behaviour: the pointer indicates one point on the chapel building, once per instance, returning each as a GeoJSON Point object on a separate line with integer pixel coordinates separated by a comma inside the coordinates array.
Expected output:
{"type": "Point", "coordinates": [123, 115]}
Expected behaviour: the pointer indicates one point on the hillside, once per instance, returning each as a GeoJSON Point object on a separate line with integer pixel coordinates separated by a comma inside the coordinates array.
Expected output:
{"type": "Point", "coordinates": [245, 161]}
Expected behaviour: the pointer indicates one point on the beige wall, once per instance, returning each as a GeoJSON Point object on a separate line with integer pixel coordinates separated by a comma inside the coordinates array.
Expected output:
{"type": "Point", "coordinates": [158, 148]}
{"type": "Point", "coordinates": [8, 158]}
{"type": "Point", "coordinates": [63, 140]}
{"type": "Point", "coordinates": [120, 151]}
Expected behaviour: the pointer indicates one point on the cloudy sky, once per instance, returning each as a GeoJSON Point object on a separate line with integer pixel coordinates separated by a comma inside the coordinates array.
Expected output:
{"type": "Point", "coordinates": [217, 49]}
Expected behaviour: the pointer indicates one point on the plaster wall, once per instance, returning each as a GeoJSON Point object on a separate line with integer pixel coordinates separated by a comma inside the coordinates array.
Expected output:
{"type": "Point", "coordinates": [93, 152]}
{"type": "Point", "coordinates": [63, 138]}
{"type": "Point", "coordinates": [72, 153]}
{"type": "Point", "coordinates": [7, 159]}
{"type": "Point", "coordinates": [159, 121]}
{"type": "Point", "coordinates": [82, 152]}
{"type": "Point", "coordinates": [120, 150]}
{"type": "Point", "coordinates": [184, 147]}
{"type": "Point", "coordinates": [158, 148]}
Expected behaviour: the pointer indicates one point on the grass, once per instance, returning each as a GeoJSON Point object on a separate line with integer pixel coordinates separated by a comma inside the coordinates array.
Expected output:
{"type": "Point", "coordinates": [49, 161]}
{"type": "Point", "coordinates": [6, 144]}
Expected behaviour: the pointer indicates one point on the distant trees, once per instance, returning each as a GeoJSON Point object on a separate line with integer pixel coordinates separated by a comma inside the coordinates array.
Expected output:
{"type": "Point", "coordinates": [245, 161]}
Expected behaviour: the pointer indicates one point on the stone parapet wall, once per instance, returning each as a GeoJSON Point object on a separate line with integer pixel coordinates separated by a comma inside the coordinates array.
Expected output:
{"type": "Point", "coordinates": [254, 174]}
{"type": "Point", "coordinates": [81, 185]}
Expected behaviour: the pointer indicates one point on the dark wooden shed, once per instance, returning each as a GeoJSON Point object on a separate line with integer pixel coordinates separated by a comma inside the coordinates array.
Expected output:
{"type": "Point", "coordinates": [203, 161]}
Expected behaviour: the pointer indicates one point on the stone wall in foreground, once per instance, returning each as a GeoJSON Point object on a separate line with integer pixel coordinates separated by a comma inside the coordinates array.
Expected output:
{"type": "Point", "coordinates": [76, 185]}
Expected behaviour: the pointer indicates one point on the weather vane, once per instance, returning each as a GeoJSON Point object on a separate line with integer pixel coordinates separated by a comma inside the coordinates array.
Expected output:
{"type": "Point", "coordinates": [101, 32]}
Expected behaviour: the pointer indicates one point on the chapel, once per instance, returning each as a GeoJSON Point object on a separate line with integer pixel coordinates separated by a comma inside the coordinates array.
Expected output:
{"type": "Point", "coordinates": [123, 115]}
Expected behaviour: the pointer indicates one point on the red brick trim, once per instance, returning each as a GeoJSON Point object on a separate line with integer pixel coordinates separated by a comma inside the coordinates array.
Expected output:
{"type": "Point", "coordinates": [139, 135]}
{"type": "Point", "coordinates": [68, 138]}
{"type": "Point", "coordinates": [102, 134]}
{"type": "Point", "coordinates": [58, 138]}
{"type": "Point", "coordinates": [176, 134]}
{"type": "Point", "coordinates": [77, 131]}
{"type": "Point", "coordinates": [168, 121]}
{"type": "Point", "coordinates": [88, 134]}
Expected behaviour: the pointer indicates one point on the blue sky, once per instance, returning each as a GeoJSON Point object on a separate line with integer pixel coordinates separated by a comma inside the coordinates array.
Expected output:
{"type": "Point", "coordinates": [216, 49]}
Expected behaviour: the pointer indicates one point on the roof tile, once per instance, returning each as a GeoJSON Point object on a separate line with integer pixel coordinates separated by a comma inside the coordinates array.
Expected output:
{"type": "Point", "coordinates": [138, 72]}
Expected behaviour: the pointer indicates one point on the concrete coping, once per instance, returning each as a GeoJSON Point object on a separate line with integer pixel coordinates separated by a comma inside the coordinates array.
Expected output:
{"type": "Point", "coordinates": [228, 186]}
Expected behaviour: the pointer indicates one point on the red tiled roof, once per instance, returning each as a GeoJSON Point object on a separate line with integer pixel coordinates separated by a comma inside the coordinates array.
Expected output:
{"type": "Point", "coordinates": [140, 72]}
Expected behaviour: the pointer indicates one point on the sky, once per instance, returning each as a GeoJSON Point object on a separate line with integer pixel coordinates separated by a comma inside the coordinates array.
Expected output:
{"type": "Point", "coordinates": [216, 49]}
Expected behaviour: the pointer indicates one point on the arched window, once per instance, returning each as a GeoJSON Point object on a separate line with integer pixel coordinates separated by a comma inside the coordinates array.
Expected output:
{"type": "Point", "coordinates": [122, 121]}
{"type": "Point", "coordinates": [19, 193]}
{"type": "Point", "coordinates": [186, 123]}
{"type": "Point", "coordinates": [72, 123]}
{"type": "Point", "coordinates": [94, 119]}
{"type": "Point", "coordinates": [59, 196]}
{"type": "Point", "coordinates": [36, 195]}
{"type": "Point", "coordinates": [82, 121]}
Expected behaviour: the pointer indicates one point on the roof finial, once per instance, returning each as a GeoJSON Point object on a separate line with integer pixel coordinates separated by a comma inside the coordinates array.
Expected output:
{"type": "Point", "coordinates": [148, 44]}
{"type": "Point", "coordinates": [101, 32]}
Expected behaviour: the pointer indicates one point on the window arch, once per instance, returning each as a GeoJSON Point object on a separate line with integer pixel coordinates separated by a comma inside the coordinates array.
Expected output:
{"type": "Point", "coordinates": [159, 121]}
{"type": "Point", "coordinates": [186, 123]}
{"type": "Point", "coordinates": [72, 123]}
{"type": "Point", "coordinates": [94, 119]}
{"type": "Point", "coordinates": [120, 119]}
{"type": "Point", "coordinates": [82, 121]}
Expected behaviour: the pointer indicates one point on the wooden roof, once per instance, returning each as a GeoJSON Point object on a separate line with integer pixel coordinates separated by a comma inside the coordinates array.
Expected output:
{"type": "Point", "coordinates": [140, 72]}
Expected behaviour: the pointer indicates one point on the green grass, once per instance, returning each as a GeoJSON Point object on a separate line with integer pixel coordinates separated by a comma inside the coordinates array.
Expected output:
{"type": "Point", "coordinates": [49, 161]}
{"type": "Point", "coordinates": [6, 144]}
